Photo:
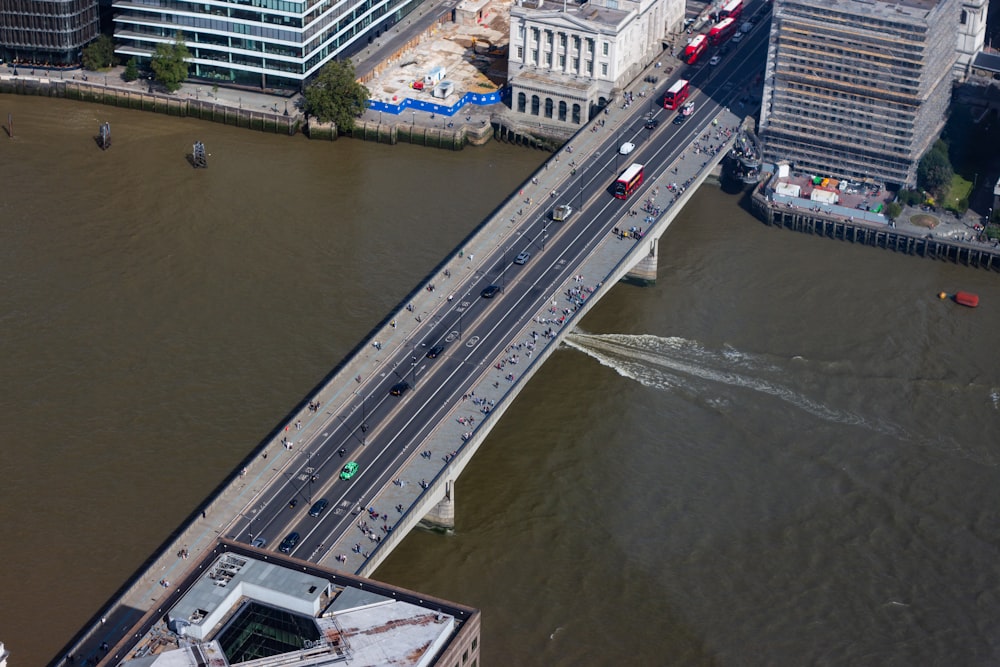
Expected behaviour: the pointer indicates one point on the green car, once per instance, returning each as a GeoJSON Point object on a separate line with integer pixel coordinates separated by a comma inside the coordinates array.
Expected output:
{"type": "Point", "coordinates": [349, 471]}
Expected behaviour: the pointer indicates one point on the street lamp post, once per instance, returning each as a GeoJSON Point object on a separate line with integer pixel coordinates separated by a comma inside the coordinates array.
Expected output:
{"type": "Point", "coordinates": [413, 370]}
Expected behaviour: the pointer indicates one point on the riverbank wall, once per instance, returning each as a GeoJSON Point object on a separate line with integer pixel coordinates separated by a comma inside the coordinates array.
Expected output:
{"type": "Point", "coordinates": [262, 121]}
{"type": "Point", "coordinates": [923, 243]}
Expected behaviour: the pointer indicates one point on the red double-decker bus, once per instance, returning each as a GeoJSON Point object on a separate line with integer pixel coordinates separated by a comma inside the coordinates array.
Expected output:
{"type": "Point", "coordinates": [630, 179]}
{"type": "Point", "coordinates": [676, 94]}
{"type": "Point", "coordinates": [733, 9]}
{"type": "Point", "coordinates": [721, 32]}
{"type": "Point", "coordinates": [694, 49]}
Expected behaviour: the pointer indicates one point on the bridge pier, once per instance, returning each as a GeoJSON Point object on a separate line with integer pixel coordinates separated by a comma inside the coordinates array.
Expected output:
{"type": "Point", "coordinates": [442, 515]}
{"type": "Point", "coordinates": [644, 271]}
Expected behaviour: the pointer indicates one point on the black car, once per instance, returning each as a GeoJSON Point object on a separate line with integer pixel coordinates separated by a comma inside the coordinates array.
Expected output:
{"type": "Point", "coordinates": [435, 351]}
{"type": "Point", "coordinates": [679, 120]}
{"type": "Point", "coordinates": [318, 507]}
{"type": "Point", "coordinates": [490, 292]}
{"type": "Point", "coordinates": [288, 543]}
{"type": "Point", "coordinates": [399, 388]}
{"type": "Point", "coordinates": [652, 123]}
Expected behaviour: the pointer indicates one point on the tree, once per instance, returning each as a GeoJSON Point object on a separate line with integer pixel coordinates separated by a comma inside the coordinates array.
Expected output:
{"type": "Point", "coordinates": [934, 171]}
{"type": "Point", "coordinates": [99, 54]}
{"type": "Point", "coordinates": [893, 210]}
{"type": "Point", "coordinates": [131, 70]}
{"type": "Point", "coordinates": [335, 95]}
{"type": "Point", "coordinates": [169, 63]}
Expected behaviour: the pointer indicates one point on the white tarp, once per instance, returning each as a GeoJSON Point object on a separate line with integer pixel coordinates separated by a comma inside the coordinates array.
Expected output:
{"type": "Point", "coordinates": [824, 196]}
{"type": "Point", "coordinates": [788, 189]}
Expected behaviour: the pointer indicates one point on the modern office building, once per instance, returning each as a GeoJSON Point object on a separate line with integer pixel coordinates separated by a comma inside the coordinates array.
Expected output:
{"type": "Point", "coordinates": [243, 606]}
{"type": "Point", "coordinates": [42, 32]}
{"type": "Point", "coordinates": [858, 88]}
{"type": "Point", "coordinates": [267, 44]}
{"type": "Point", "coordinates": [567, 60]}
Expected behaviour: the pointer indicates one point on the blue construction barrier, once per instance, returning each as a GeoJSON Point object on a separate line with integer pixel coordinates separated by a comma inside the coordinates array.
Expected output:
{"type": "Point", "coordinates": [479, 99]}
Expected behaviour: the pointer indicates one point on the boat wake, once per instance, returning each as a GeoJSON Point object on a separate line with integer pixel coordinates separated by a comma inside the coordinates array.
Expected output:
{"type": "Point", "coordinates": [687, 366]}
{"type": "Point", "coordinates": [677, 363]}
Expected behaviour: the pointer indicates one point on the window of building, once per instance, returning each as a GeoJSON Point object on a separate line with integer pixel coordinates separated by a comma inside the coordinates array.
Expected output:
{"type": "Point", "coordinates": [604, 69]}
{"type": "Point", "coordinates": [562, 40]}
{"type": "Point", "coordinates": [520, 53]}
{"type": "Point", "coordinates": [548, 59]}
{"type": "Point", "coordinates": [534, 56]}
{"type": "Point", "coordinates": [465, 657]}
{"type": "Point", "coordinates": [562, 61]}
{"type": "Point", "coordinates": [965, 17]}
{"type": "Point", "coordinates": [576, 65]}
{"type": "Point", "coordinates": [520, 31]}
{"type": "Point", "coordinates": [590, 67]}
{"type": "Point", "coordinates": [562, 116]}
{"type": "Point", "coordinates": [606, 48]}
{"type": "Point", "coordinates": [475, 640]}
{"type": "Point", "coordinates": [549, 107]}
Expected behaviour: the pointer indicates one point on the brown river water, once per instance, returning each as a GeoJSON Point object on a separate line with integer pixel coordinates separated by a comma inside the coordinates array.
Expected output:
{"type": "Point", "coordinates": [785, 452]}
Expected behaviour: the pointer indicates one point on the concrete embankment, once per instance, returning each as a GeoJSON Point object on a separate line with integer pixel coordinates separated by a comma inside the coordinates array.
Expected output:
{"type": "Point", "coordinates": [903, 237]}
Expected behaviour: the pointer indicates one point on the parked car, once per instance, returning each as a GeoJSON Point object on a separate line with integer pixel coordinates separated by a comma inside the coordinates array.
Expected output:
{"type": "Point", "coordinates": [288, 543]}
{"type": "Point", "coordinates": [318, 507]}
{"type": "Point", "coordinates": [349, 471]}
{"type": "Point", "coordinates": [522, 257]}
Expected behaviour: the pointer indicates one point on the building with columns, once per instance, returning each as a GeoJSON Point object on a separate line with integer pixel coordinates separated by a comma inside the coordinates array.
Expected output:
{"type": "Point", "coordinates": [567, 61]}
{"type": "Point", "coordinates": [971, 33]}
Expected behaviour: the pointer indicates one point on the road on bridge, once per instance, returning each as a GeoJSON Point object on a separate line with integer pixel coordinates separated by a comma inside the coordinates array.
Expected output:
{"type": "Point", "coordinates": [380, 431]}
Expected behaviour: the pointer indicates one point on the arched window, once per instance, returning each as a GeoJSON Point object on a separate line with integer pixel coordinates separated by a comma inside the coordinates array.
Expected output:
{"type": "Point", "coordinates": [549, 106]}
{"type": "Point", "coordinates": [535, 103]}
{"type": "Point", "coordinates": [562, 111]}
{"type": "Point", "coordinates": [576, 114]}
{"type": "Point", "coordinates": [522, 102]}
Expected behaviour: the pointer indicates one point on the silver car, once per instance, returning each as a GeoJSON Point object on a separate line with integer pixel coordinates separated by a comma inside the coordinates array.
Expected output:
{"type": "Point", "coordinates": [522, 258]}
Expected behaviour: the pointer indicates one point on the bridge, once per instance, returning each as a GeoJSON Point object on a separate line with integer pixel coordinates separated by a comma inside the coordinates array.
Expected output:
{"type": "Point", "coordinates": [415, 401]}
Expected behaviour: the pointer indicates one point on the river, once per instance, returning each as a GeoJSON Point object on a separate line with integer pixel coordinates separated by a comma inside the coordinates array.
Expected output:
{"type": "Point", "coordinates": [781, 453]}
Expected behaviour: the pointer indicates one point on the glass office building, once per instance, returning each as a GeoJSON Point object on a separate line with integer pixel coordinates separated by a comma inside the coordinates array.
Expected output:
{"type": "Point", "coordinates": [46, 32]}
{"type": "Point", "coordinates": [267, 44]}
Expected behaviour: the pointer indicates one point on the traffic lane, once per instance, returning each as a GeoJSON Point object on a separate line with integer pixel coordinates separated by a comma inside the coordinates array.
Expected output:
{"type": "Point", "coordinates": [503, 266]}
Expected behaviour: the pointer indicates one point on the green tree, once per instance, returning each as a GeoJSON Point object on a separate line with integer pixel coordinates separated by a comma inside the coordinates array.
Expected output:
{"type": "Point", "coordinates": [335, 95]}
{"type": "Point", "coordinates": [934, 171]}
{"type": "Point", "coordinates": [99, 54]}
{"type": "Point", "coordinates": [893, 210]}
{"type": "Point", "coordinates": [131, 70]}
{"type": "Point", "coordinates": [169, 63]}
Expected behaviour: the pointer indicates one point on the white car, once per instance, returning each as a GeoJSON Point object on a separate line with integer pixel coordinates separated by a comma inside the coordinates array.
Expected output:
{"type": "Point", "coordinates": [626, 148]}
{"type": "Point", "coordinates": [715, 60]}
{"type": "Point", "coordinates": [737, 38]}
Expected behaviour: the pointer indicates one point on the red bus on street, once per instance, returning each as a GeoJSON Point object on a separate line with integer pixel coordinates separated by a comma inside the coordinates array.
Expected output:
{"type": "Point", "coordinates": [676, 94]}
{"type": "Point", "coordinates": [694, 49]}
{"type": "Point", "coordinates": [733, 9]}
{"type": "Point", "coordinates": [721, 32]}
{"type": "Point", "coordinates": [630, 179]}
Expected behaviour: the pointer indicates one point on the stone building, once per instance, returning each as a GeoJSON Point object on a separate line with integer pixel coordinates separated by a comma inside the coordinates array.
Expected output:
{"type": "Point", "coordinates": [567, 60]}
{"type": "Point", "coordinates": [859, 88]}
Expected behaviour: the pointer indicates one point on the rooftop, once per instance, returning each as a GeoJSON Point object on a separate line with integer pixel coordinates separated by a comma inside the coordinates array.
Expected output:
{"type": "Point", "coordinates": [246, 609]}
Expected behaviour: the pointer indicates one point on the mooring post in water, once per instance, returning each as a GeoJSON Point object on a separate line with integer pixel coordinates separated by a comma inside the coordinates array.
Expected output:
{"type": "Point", "coordinates": [105, 136]}
{"type": "Point", "coordinates": [198, 156]}
{"type": "Point", "coordinates": [10, 125]}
